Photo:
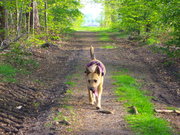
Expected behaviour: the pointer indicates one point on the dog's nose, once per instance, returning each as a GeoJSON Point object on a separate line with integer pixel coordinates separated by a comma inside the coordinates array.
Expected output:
{"type": "Point", "coordinates": [91, 88]}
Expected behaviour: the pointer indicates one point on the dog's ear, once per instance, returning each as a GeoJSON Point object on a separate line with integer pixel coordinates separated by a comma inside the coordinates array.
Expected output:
{"type": "Point", "coordinates": [87, 71]}
{"type": "Point", "coordinates": [97, 70]}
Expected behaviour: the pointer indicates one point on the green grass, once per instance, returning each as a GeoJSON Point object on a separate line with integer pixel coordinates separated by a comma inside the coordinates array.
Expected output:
{"type": "Point", "coordinates": [104, 36]}
{"type": "Point", "coordinates": [108, 47]}
{"type": "Point", "coordinates": [16, 61]}
{"type": "Point", "coordinates": [69, 77]}
{"type": "Point", "coordinates": [91, 29]}
{"type": "Point", "coordinates": [122, 35]}
{"type": "Point", "coordinates": [145, 122]}
{"type": "Point", "coordinates": [59, 116]}
{"type": "Point", "coordinates": [70, 83]}
{"type": "Point", "coordinates": [7, 72]}
{"type": "Point", "coordinates": [167, 51]}
{"type": "Point", "coordinates": [69, 91]}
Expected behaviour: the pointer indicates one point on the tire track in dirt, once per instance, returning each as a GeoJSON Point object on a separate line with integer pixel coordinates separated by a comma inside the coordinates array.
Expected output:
{"type": "Point", "coordinates": [24, 101]}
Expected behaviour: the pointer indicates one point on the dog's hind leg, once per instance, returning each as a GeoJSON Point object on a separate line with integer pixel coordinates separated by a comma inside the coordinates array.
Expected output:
{"type": "Point", "coordinates": [91, 97]}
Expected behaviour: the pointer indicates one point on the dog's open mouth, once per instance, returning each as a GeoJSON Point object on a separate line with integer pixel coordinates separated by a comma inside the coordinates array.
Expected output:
{"type": "Point", "coordinates": [93, 91]}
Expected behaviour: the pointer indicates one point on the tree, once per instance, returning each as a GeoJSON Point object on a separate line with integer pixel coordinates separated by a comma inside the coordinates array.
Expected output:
{"type": "Point", "coordinates": [148, 19]}
{"type": "Point", "coordinates": [2, 23]}
{"type": "Point", "coordinates": [18, 17]}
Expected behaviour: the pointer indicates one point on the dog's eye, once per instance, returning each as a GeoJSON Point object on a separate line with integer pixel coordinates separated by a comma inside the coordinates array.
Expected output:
{"type": "Point", "coordinates": [95, 81]}
{"type": "Point", "coordinates": [89, 81]}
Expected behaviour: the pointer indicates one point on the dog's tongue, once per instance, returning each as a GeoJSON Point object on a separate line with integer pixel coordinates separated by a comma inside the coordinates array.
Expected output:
{"type": "Point", "coordinates": [96, 94]}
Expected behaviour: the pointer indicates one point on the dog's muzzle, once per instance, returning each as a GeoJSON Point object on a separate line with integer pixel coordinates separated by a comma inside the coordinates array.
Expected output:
{"type": "Point", "coordinates": [92, 89]}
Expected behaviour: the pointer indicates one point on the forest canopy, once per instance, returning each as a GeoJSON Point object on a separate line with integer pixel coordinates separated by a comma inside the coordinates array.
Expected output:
{"type": "Point", "coordinates": [154, 20]}
{"type": "Point", "coordinates": [32, 16]}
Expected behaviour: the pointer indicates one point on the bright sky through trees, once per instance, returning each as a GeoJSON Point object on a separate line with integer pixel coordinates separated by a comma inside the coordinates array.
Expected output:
{"type": "Point", "coordinates": [92, 12]}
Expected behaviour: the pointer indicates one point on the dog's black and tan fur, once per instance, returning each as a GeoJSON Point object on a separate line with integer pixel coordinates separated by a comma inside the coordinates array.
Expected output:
{"type": "Point", "coordinates": [95, 79]}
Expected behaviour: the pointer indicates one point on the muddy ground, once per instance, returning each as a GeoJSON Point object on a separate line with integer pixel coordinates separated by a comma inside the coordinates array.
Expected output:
{"type": "Point", "coordinates": [41, 97]}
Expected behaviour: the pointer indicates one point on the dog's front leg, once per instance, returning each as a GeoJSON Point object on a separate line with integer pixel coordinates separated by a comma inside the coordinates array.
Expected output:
{"type": "Point", "coordinates": [98, 99]}
{"type": "Point", "coordinates": [91, 97]}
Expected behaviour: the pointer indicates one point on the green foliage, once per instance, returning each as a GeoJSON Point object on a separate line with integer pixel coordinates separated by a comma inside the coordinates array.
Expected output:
{"type": "Point", "coordinates": [122, 35]}
{"type": "Point", "coordinates": [62, 14]}
{"type": "Point", "coordinates": [16, 61]}
{"type": "Point", "coordinates": [18, 58]}
{"type": "Point", "coordinates": [145, 122]}
{"type": "Point", "coordinates": [152, 20]}
{"type": "Point", "coordinates": [151, 41]}
{"type": "Point", "coordinates": [7, 73]}
{"type": "Point", "coordinates": [173, 53]}
{"type": "Point", "coordinates": [57, 17]}
{"type": "Point", "coordinates": [34, 41]}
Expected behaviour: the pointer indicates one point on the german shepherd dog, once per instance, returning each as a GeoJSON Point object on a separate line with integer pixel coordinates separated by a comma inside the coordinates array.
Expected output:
{"type": "Point", "coordinates": [95, 72]}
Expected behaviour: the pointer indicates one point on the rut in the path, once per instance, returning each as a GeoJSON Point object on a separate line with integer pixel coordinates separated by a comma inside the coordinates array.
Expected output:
{"type": "Point", "coordinates": [15, 105]}
{"type": "Point", "coordinates": [20, 102]}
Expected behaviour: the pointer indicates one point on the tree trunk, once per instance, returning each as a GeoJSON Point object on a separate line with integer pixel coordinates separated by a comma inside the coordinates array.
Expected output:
{"type": "Point", "coordinates": [6, 23]}
{"type": "Point", "coordinates": [2, 23]}
{"type": "Point", "coordinates": [148, 28]}
{"type": "Point", "coordinates": [45, 16]}
{"type": "Point", "coordinates": [36, 15]}
{"type": "Point", "coordinates": [17, 19]}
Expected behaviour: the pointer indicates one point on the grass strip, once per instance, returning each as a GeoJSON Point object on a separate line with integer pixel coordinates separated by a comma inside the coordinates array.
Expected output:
{"type": "Point", "coordinates": [108, 47]}
{"type": "Point", "coordinates": [7, 73]}
{"type": "Point", "coordinates": [91, 28]}
{"type": "Point", "coordinates": [145, 122]}
{"type": "Point", "coordinates": [104, 36]}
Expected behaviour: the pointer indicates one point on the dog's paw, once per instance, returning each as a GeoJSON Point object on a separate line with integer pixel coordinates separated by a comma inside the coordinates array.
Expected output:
{"type": "Point", "coordinates": [98, 108]}
{"type": "Point", "coordinates": [91, 103]}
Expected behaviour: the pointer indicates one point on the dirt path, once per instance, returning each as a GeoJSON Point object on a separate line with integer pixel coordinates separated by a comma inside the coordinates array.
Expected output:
{"type": "Point", "coordinates": [84, 118]}
{"type": "Point", "coordinates": [89, 121]}
{"type": "Point", "coordinates": [44, 105]}
{"type": "Point", "coordinates": [139, 62]}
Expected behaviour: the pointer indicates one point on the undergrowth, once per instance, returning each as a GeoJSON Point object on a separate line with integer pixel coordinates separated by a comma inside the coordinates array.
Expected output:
{"type": "Point", "coordinates": [17, 61]}
{"type": "Point", "coordinates": [7, 73]}
{"type": "Point", "coordinates": [165, 50]}
{"type": "Point", "coordinates": [145, 122]}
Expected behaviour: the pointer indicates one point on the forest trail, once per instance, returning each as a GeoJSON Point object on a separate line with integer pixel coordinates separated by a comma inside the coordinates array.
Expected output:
{"type": "Point", "coordinates": [44, 105]}
{"type": "Point", "coordinates": [86, 119]}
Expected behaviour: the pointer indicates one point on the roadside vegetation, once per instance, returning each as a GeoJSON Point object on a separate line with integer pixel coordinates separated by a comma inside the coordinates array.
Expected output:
{"type": "Point", "coordinates": [27, 25]}
{"type": "Point", "coordinates": [149, 22]}
{"type": "Point", "coordinates": [14, 62]}
{"type": "Point", "coordinates": [141, 117]}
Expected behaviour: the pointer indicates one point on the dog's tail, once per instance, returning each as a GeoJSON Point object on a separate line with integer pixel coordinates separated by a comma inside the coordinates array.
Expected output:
{"type": "Point", "coordinates": [92, 53]}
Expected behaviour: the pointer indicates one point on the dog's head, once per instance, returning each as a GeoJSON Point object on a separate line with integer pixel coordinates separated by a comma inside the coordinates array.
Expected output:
{"type": "Point", "coordinates": [93, 79]}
